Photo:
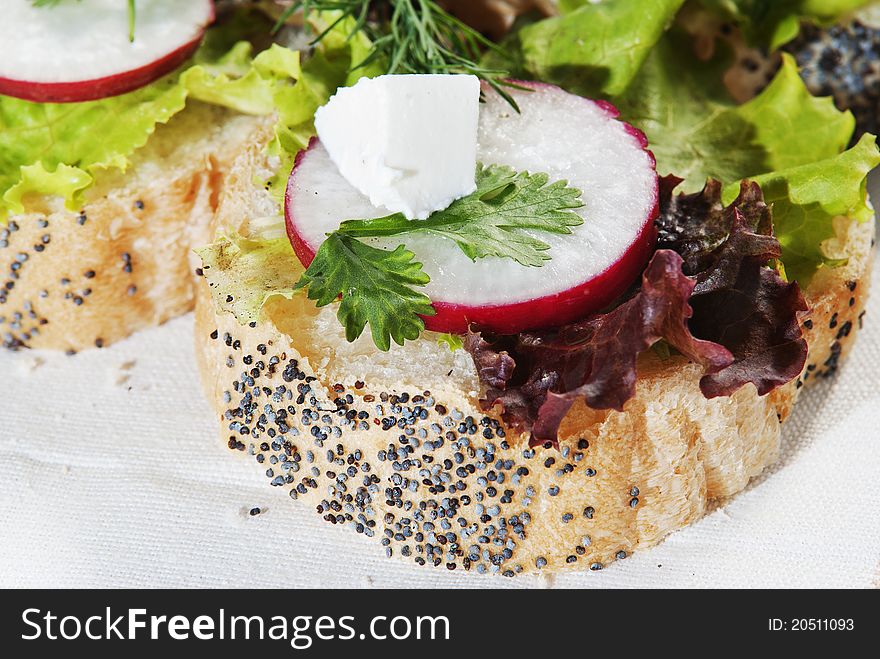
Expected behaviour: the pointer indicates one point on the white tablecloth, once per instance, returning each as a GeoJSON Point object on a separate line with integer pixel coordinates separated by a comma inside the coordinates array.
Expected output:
{"type": "Point", "coordinates": [111, 474]}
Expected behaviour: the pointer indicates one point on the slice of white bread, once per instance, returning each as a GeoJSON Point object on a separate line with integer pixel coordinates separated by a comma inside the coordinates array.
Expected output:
{"type": "Point", "coordinates": [73, 280]}
{"type": "Point", "coordinates": [395, 446]}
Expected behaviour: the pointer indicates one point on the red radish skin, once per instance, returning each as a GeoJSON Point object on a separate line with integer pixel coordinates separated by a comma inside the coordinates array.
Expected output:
{"type": "Point", "coordinates": [303, 250]}
{"type": "Point", "coordinates": [538, 313]}
{"type": "Point", "coordinates": [104, 87]}
{"type": "Point", "coordinates": [91, 90]}
{"type": "Point", "coordinates": [551, 310]}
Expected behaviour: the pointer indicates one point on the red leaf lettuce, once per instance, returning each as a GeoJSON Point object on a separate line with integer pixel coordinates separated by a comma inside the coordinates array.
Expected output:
{"type": "Point", "coordinates": [708, 292]}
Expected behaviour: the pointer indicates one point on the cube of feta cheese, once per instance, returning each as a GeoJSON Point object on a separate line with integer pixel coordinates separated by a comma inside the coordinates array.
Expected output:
{"type": "Point", "coordinates": [408, 142]}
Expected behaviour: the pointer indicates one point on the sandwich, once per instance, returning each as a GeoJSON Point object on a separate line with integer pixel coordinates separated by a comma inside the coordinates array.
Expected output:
{"type": "Point", "coordinates": [118, 124]}
{"type": "Point", "coordinates": [518, 324]}
{"type": "Point", "coordinates": [834, 44]}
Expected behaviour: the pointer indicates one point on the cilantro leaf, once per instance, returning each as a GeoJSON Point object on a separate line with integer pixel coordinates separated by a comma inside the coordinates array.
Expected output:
{"type": "Point", "coordinates": [492, 220]}
{"type": "Point", "coordinates": [376, 288]}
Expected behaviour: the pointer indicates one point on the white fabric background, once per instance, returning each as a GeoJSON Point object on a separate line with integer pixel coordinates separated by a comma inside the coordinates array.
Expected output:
{"type": "Point", "coordinates": [111, 474]}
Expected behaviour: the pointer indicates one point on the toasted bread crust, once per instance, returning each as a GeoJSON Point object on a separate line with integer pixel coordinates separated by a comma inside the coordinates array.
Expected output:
{"type": "Point", "coordinates": [837, 299]}
{"type": "Point", "coordinates": [73, 280]}
{"type": "Point", "coordinates": [395, 445]}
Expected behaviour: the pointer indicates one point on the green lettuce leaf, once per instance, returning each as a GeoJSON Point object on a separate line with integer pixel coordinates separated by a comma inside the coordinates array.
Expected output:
{"type": "Point", "coordinates": [696, 131]}
{"type": "Point", "coordinates": [773, 23]}
{"type": "Point", "coordinates": [75, 141]}
{"type": "Point", "coordinates": [240, 82]}
{"type": "Point", "coordinates": [65, 181]}
{"type": "Point", "coordinates": [808, 197]}
{"type": "Point", "coordinates": [787, 140]}
{"type": "Point", "coordinates": [243, 274]}
{"type": "Point", "coordinates": [85, 136]}
{"type": "Point", "coordinates": [333, 64]}
{"type": "Point", "coordinates": [595, 49]}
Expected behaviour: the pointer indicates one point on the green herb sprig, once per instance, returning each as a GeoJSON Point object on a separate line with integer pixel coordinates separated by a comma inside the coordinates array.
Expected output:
{"type": "Point", "coordinates": [413, 36]}
{"type": "Point", "coordinates": [491, 220]}
{"type": "Point", "coordinates": [376, 286]}
{"type": "Point", "coordinates": [132, 10]}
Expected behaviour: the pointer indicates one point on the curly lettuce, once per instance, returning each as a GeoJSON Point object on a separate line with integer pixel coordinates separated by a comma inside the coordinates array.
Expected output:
{"type": "Point", "coordinates": [58, 149]}
{"type": "Point", "coordinates": [707, 292]}
{"type": "Point", "coordinates": [243, 273]}
{"type": "Point", "coordinates": [85, 137]}
{"type": "Point", "coordinates": [793, 144]}
{"type": "Point", "coordinates": [537, 376]}
{"type": "Point", "coordinates": [696, 131]}
{"type": "Point", "coordinates": [738, 301]}
{"type": "Point", "coordinates": [807, 198]}
{"type": "Point", "coordinates": [694, 127]}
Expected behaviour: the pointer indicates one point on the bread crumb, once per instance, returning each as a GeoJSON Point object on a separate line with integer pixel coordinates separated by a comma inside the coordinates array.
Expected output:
{"type": "Point", "coordinates": [124, 374]}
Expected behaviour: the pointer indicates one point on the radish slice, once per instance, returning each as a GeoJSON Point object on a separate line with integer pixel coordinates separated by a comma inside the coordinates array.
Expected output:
{"type": "Point", "coordinates": [80, 51]}
{"type": "Point", "coordinates": [568, 137]}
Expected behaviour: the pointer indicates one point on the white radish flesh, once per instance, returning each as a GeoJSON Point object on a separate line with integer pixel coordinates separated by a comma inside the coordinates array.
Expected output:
{"type": "Point", "coordinates": [569, 138]}
{"type": "Point", "coordinates": [78, 51]}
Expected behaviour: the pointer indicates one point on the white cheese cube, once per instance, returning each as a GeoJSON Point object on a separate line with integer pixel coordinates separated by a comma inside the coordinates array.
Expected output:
{"type": "Point", "coordinates": [408, 142]}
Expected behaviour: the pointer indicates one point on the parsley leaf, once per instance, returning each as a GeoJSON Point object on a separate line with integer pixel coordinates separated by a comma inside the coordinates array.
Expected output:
{"type": "Point", "coordinates": [376, 286]}
{"type": "Point", "coordinates": [491, 220]}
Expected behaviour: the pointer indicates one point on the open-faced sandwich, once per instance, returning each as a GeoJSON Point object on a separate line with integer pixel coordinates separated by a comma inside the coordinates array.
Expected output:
{"type": "Point", "coordinates": [521, 296]}
{"type": "Point", "coordinates": [513, 325]}
{"type": "Point", "coordinates": [118, 123]}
